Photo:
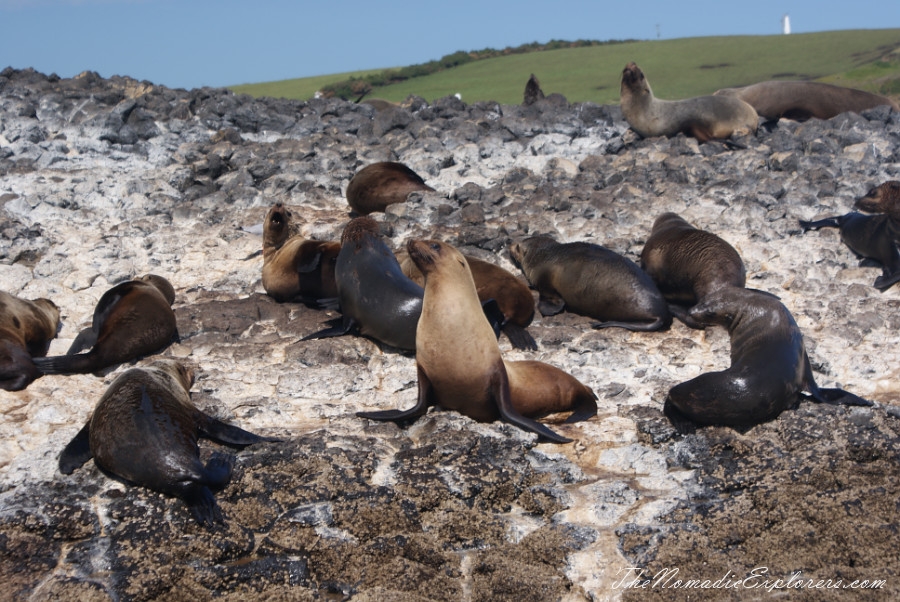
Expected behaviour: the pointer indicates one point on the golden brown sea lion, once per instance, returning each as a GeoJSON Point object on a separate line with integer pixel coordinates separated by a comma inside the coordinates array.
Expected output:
{"type": "Point", "coordinates": [144, 430]}
{"type": "Point", "coordinates": [26, 329]}
{"type": "Point", "coordinates": [458, 360]}
{"type": "Point", "coordinates": [131, 320]}
{"type": "Point", "coordinates": [703, 117]}
{"type": "Point", "coordinates": [799, 100]}
{"type": "Point", "coordinates": [378, 185]}
{"type": "Point", "coordinates": [294, 267]}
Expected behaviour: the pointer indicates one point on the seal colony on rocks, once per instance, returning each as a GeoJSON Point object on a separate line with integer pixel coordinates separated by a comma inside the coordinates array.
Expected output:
{"type": "Point", "coordinates": [378, 185]}
{"type": "Point", "coordinates": [703, 117]}
{"type": "Point", "coordinates": [26, 329]}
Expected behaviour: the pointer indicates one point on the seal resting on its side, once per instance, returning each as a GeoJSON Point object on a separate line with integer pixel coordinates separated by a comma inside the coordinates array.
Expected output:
{"type": "Point", "coordinates": [703, 117]}
{"type": "Point", "coordinates": [459, 363]}
{"type": "Point", "coordinates": [26, 329]}
{"type": "Point", "coordinates": [769, 366]}
{"type": "Point", "coordinates": [378, 185]}
{"type": "Point", "coordinates": [144, 430]}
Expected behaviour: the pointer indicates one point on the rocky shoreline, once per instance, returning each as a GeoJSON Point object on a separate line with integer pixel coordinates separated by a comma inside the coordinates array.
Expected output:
{"type": "Point", "coordinates": [102, 180]}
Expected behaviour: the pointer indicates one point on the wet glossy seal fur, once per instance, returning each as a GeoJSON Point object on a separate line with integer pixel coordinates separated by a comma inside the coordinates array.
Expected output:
{"type": "Point", "coordinates": [591, 280]}
{"type": "Point", "coordinates": [144, 431]}
{"type": "Point", "coordinates": [459, 363]}
{"type": "Point", "coordinates": [378, 185]}
{"type": "Point", "coordinates": [799, 100]}
{"type": "Point", "coordinates": [26, 329]}
{"type": "Point", "coordinates": [769, 366]}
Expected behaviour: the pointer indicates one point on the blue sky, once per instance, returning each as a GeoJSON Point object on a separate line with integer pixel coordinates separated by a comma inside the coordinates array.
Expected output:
{"type": "Point", "coordinates": [193, 43]}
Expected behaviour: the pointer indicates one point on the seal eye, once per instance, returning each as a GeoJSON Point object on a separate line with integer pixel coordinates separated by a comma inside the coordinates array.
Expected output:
{"type": "Point", "coordinates": [436, 247]}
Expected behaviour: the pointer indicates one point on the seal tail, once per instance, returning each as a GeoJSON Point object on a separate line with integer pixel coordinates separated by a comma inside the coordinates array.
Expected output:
{"type": "Point", "coordinates": [82, 363]}
{"type": "Point", "coordinates": [519, 337]}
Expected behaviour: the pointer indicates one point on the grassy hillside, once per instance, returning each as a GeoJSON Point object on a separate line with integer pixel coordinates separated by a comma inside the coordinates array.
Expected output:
{"type": "Point", "coordinates": [680, 68]}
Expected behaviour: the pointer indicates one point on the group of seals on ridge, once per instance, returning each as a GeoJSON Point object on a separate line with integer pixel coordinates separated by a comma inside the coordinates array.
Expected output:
{"type": "Point", "coordinates": [26, 329]}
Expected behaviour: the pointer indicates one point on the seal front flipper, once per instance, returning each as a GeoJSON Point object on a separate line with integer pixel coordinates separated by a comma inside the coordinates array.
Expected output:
{"type": "Point", "coordinates": [494, 316]}
{"type": "Point", "coordinates": [77, 452]}
{"type": "Point", "coordinates": [519, 337]}
{"type": "Point", "coordinates": [227, 434]}
{"type": "Point", "coordinates": [684, 316]}
{"type": "Point", "coordinates": [660, 323]}
{"type": "Point", "coordinates": [508, 413]}
{"type": "Point", "coordinates": [843, 398]}
{"type": "Point", "coordinates": [198, 495]}
{"type": "Point", "coordinates": [550, 305]}
{"type": "Point", "coordinates": [830, 222]}
{"type": "Point", "coordinates": [338, 327]}
{"type": "Point", "coordinates": [885, 281]}
{"type": "Point", "coordinates": [585, 410]}
{"type": "Point", "coordinates": [423, 402]}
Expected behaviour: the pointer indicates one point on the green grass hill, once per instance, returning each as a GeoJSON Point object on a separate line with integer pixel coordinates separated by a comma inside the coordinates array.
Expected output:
{"type": "Point", "coordinates": [679, 68]}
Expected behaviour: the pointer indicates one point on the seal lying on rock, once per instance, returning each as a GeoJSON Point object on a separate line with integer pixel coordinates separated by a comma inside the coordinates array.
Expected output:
{"type": "Point", "coordinates": [591, 280]}
{"type": "Point", "coordinates": [294, 267]}
{"type": "Point", "coordinates": [378, 185]}
{"type": "Point", "coordinates": [26, 329]}
{"type": "Point", "coordinates": [144, 430]}
{"type": "Point", "coordinates": [458, 360]}
{"type": "Point", "coordinates": [799, 100]}
{"type": "Point", "coordinates": [131, 320]}
{"type": "Point", "coordinates": [873, 237]}
{"type": "Point", "coordinates": [703, 117]}
{"type": "Point", "coordinates": [769, 366]}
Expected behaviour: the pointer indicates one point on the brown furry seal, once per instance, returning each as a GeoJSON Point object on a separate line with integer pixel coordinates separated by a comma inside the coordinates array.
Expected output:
{"type": "Point", "coordinates": [26, 329]}
{"type": "Point", "coordinates": [687, 263]}
{"type": "Point", "coordinates": [458, 360]}
{"type": "Point", "coordinates": [703, 117]}
{"type": "Point", "coordinates": [872, 237]}
{"type": "Point", "coordinates": [769, 366]}
{"type": "Point", "coordinates": [591, 280]}
{"type": "Point", "coordinates": [144, 430]}
{"type": "Point", "coordinates": [533, 92]}
{"type": "Point", "coordinates": [378, 185]}
{"type": "Point", "coordinates": [131, 320]}
{"type": "Point", "coordinates": [513, 296]}
{"type": "Point", "coordinates": [294, 267]}
{"type": "Point", "coordinates": [799, 100]}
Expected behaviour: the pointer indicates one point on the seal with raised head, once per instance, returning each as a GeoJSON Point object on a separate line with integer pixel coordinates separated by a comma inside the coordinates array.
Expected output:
{"type": "Point", "coordinates": [131, 320]}
{"type": "Point", "coordinates": [293, 266]}
{"type": "Point", "coordinates": [703, 117]}
{"type": "Point", "coordinates": [457, 357]}
{"type": "Point", "coordinates": [593, 281]}
{"type": "Point", "coordinates": [145, 429]}
{"type": "Point", "coordinates": [513, 296]}
{"type": "Point", "coordinates": [26, 329]}
{"type": "Point", "coordinates": [687, 263]}
{"type": "Point", "coordinates": [378, 185]}
{"type": "Point", "coordinates": [533, 91]}
{"type": "Point", "coordinates": [872, 237]}
{"type": "Point", "coordinates": [769, 366]}
{"type": "Point", "coordinates": [799, 100]}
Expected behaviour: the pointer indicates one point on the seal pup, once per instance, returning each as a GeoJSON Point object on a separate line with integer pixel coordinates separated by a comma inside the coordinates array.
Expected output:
{"type": "Point", "coordinates": [26, 329]}
{"type": "Point", "coordinates": [769, 366]}
{"type": "Point", "coordinates": [591, 280]}
{"type": "Point", "coordinates": [703, 117]}
{"type": "Point", "coordinates": [378, 185]}
{"type": "Point", "coordinates": [144, 431]}
{"type": "Point", "coordinates": [799, 100]}
{"type": "Point", "coordinates": [513, 296]}
{"type": "Point", "coordinates": [131, 320]}
{"type": "Point", "coordinates": [294, 267]}
{"type": "Point", "coordinates": [687, 263]}
{"type": "Point", "coordinates": [872, 237]}
{"type": "Point", "coordinates": [458, 360]}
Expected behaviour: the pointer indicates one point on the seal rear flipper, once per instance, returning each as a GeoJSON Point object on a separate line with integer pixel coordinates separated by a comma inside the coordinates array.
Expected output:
{"type": "Point", "coordinates": [338, 327]}
{"type": "Point", "coordinates": [508, 413]}
{"type": "Point", "coordinates": [77, 452]}
{"type": "Point", "coordinates": [202, 505]}
{"type": "Point", "coordinates": [81, 363]}
{"type": "Point", "coordinates": [86, 339]}
{"type": "Point", "coordinates": [885, 281]}
{"type": "Point", "coordinates": [657, 324]}
{"type": "Point", "coordinates": [494, 316]}
{"type": "Point", "coordinates": [830, 222]}
{"type": "Point", "coordinates": [684, 316]}
{"type": "Point", "coordinates": [423, 402]}
{"type": "Point", "coordinates": [584, 410]}
{"type": "Point", "coordinates": [519, 337]}
{"type": "Point", "coordinates": [839, 397]}
{"type": "Point", "coordinates": [228, 434]}
{"type": "Point", "coordinates": [550, 305]}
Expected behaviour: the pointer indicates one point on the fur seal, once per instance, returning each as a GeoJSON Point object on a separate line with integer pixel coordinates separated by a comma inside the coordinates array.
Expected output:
{"type": "Point", "coordinates": [703, 117]}
{"type": "Point", "coordinates": [533, 91]}
{"type": "Point", "coordinates": [144, 430]}
{"type": "Point", "coordinates": [294, 267]}
{"type": "Point", "coordinates": [458, 360]}
{"type": "Point", "coordinates": [591, 280]}
{"type": "Point", "coordinates": [687, 263]}
{"type": "Point", "coordinates": [769, 366]}
{"type": "Point", "coordinates": [799, 100]}
{"type": "Point", "coordinates": [26, 329]}
{"type": "Point", "coordinates": [513, 296]}
{"type": "Point", "coordinates": [131, 320]}
{"type": "Point", "coordinates": [873, 237]}
{"type": "Point", "coordinates": [378, 185]}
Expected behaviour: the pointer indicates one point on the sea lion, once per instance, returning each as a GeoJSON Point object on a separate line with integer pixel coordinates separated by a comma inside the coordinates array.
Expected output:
{"type": "Point", "coordinates": [533, 92]}
{"type": "Point", "coordinates": [872, 237]}
{"type": "Point", "coordinates": [131, 320]}
{"type": "Point", "coordinates": [458, 360]}
{"type": "Point", "coordinates": [799, 100]}
{"type": "Point", "coordinates": [492, 282]}
{"type": "Point", "coordinates": [769, 366]}
{"type": "Point", "coordinates": [144, 430]}
{"type": "Point", "coordinates": [687, 263]}
{"type": "Point", "coordinates": [378, 185]}
{"type": "Point", "coordinates": [26, 329]}
{"type": "Point", "coordinates": [294, 267]}
{"type": "Point", "coordinates": [591, 280]}
{"type": "Point", "coordinates": [703, 117]}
